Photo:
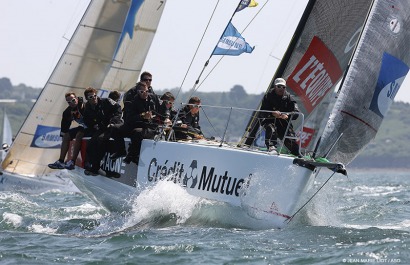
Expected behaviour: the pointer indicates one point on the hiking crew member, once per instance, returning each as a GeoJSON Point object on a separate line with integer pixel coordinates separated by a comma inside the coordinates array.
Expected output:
{"type": "Point", "coordinates": [74, 112]}
{"type": "Point", "coordinates": [277, 100]}
{"type": "Point", "coordinates": [100, 114]}
{"type": "Point", "coordinates": [189, 116]}
{"type": "Point", "coordinates": [139, 111]}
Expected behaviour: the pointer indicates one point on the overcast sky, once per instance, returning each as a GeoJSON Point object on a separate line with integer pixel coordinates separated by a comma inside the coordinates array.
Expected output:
{"type": "Point", "coordinates": [35, 33]}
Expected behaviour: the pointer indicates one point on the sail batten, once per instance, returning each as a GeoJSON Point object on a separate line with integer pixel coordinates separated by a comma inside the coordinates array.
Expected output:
{"type": "Point", "coordinates": [102, 29]}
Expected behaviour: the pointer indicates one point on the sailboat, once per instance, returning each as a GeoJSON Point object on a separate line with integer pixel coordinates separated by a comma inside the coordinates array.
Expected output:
{"type": "Point", "coordinates": [265, 185]}
{"type": "Point", "coordinates": [97, 55]}
{"type": "Point", "coordinates": [7, 135]}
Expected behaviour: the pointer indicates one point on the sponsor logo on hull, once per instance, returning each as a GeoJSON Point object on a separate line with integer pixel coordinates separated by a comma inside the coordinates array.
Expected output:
{"type": "Point", "coordinates": [203, 178]}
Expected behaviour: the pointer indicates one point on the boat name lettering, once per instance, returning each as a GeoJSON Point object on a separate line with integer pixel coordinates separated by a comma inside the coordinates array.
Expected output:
{"type": "Point", "coordinates": [208, 181]}
{"type": "Point", "coordinates": [317, 81]}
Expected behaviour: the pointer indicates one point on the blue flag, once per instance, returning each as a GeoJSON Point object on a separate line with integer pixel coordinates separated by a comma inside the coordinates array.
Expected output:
{"type": "Point", "coordinates": [232, 43]}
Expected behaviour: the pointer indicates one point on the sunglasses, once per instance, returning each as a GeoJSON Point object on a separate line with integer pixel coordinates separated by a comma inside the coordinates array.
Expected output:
{"type": "Point", "coordinates": [71, 101]}
{"type": "Point", "coordinates": [168, 102]}
{"type": "Point", "coordinates": [142, 91]}
{"type": "Point", "coordinates": [146, 79]}
{"type": "Point", "coordinates": [91, 97]}
{"type": "Point", "coordinates": [283, 87]}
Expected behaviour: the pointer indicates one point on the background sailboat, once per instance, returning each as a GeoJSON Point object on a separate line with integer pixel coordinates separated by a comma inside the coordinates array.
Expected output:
{"type": "Point", "coordinates": [7, 135]}
{"type": "Point", "coordinates": [95, 56]}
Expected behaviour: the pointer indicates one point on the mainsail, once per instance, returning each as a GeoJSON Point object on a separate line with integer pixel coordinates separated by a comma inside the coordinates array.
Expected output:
{"type": "Point", "coordinates": [377, 71]}
{"type": "Point", "coordinates": [317, 56]}
{"type": "Point", "coordinates": [107, 51]}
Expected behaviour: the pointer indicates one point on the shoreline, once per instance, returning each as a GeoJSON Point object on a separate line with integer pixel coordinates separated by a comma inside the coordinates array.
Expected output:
{"type": "Point", "coordinates": [357, 169]}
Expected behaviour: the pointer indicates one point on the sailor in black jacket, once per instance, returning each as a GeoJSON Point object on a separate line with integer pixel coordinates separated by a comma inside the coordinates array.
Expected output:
{"type": "Point", "coordinates": [100, 114]}
{"type": "Point", "coordinates": [139, 123]}
{"type": "Point", "coordinates": [277, 101]}
{"type": "Point", "coordinates": [74, 112]}
{"type": "Point", "coordinates": [189, 116]}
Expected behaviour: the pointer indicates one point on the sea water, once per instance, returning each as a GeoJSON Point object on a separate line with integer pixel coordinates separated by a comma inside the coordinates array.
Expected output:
{"type": "Point", "coordinates": [360, 219]}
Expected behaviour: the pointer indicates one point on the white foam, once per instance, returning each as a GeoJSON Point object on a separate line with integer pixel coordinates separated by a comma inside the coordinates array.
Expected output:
{"type": "Point", "coordinates": [323, 209]}
{"type": "Point", "coordinates": [164, 198]}
{"type": "Point", "coordinates": [79, 211]}
{"type": "Point", "coordinates": [404, 225]}
{"type": "Point", "coordinates": [375, 191]}
{"type": "Point", "coordinates": [377, 242]}
{"type": "Point", "coordinates": [13, 219]}
{"type": "Point", "coordinates": [36, 228]}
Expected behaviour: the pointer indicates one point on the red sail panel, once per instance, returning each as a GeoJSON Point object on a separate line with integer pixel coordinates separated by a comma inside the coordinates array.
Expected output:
{"type": "Point", "coordinates": [315, 74]}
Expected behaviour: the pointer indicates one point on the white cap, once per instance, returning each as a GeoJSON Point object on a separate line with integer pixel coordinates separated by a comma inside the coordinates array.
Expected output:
{"type": "Point", "coordinates": [280, 81]}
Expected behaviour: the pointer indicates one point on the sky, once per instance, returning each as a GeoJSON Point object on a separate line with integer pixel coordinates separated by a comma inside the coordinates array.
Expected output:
{"type": "Point", "coordinates": [35, 33]}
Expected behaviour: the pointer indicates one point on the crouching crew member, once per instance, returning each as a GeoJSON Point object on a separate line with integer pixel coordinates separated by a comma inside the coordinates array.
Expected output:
{"type": "Point", "coordinates": [100, 114]}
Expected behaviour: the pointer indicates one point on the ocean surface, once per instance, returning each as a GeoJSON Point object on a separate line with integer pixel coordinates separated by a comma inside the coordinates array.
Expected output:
{"type": "Point", "coordinates": [360, 219]}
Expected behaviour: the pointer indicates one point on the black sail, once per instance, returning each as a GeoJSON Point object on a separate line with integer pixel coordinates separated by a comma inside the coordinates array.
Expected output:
{"type": "Point", "coordinates": [317, 57]}
{"type": "Point", "coordinates": [377, 71]}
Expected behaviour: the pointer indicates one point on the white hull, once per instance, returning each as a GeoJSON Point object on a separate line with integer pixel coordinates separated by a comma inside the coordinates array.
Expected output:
{"type": "Point", "coordinates": [264, 185]}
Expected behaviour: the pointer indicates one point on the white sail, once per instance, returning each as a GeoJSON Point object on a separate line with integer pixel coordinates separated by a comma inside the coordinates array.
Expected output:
{"type": "Point", "coordinates": [377, 71]}
{"type": "Point", "coordinates": [7, 135]}
{"type": "Point", "coordinates": [124, 29]}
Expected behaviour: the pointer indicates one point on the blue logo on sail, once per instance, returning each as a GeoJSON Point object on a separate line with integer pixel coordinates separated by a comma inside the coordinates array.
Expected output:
{"type": "Point", "coordinates": [129, 23]}
{"type": "Point", "coordinates": [46, 137]}
{"type": "Point", "coordinates": [391, 76]}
